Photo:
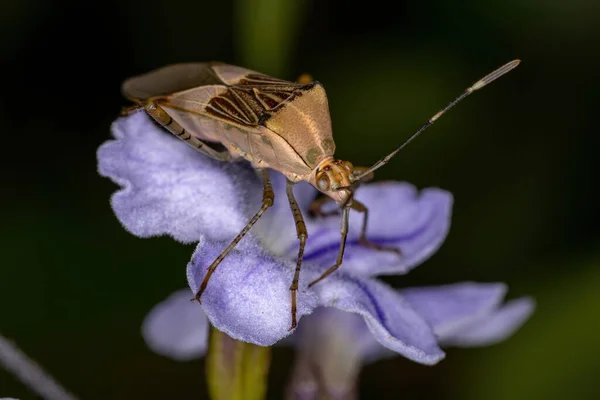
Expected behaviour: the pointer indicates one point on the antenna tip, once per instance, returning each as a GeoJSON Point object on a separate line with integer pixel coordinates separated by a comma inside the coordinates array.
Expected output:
{"type": "Point", "coordinates": [489, 78]}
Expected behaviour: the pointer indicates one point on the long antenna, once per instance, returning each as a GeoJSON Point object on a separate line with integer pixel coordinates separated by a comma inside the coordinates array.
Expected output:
{"type": "Point", "coordinates": [489, 78]}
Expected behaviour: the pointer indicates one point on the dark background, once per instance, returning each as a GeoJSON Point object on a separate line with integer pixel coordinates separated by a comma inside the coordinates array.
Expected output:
{"type": "Point", "coordinates": [520, 158]}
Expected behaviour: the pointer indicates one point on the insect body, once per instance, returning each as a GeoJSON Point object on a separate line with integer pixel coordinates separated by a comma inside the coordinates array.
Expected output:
{"type": "Point", "coordinates": [273, 124]}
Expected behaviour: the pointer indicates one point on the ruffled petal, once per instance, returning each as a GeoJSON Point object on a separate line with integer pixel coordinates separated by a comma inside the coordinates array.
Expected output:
{"type": "Point", "coordinates": [248, 298]}
{"type": "Point", "coordinates": [450, 308]}
{"type": "Point", "coordinates": [389, 317]}
{"type": "Point", "coordinates": [463, 314]}
{"type": "Point", "coordinates": [248, 295]}
{"type": "Point", "coordinates": [399, 217]}
{"type": "Point", "coordinates": [168, 188]}
{"type": "Point", "coordinates": [177, 328]}
{"type": "Point", "coordinates": [495, 327]}
{"type": "Point", "coordinates": [330, 349]}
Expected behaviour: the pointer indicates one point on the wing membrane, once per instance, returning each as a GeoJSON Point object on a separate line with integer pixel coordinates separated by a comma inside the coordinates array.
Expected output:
{"type": "Point", "coordinates": [226, 93]}
{"type": "Point", "coordinates": [254, 116]}
{"type": "Point", "coordinates": [167, 80]}
{"type": "Point", "coordinates": [243, 98]}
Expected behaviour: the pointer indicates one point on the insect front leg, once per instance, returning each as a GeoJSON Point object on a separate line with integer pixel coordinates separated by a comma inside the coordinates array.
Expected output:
{"type": "Point", "coordinates": [163, 118]}
{"type": "Point", "coordinates": [340, 257]}
{"type": "Point", "coordinates": [267, 201]}
{"type": "Point", "coordinates": [360, 207]}
{"type": "Point", "coordinates": [316, 207]}
{"type": "Point", "coordinates": [302, 236]}
{"type": "Point", "coordinates": [126, 111]}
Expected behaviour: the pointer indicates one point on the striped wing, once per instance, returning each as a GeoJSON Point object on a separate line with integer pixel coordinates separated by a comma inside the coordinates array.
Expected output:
{"type": "Point", "coordinates": [231, 94]}
{"type": "Point", "coordinates": [207, 97]}
{"type": "Point", "coordinates": [244, 98]}
{"type": "Point", "coordinates": [297, 113]}
{"type": "Point", "coordinates": [167, 80]}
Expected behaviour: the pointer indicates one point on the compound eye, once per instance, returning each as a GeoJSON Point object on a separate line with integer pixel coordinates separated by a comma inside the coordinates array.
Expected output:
{"type": "Point", "coordinates": [323, 184]}
{"type": "Point", "coordinates": [348, 165]}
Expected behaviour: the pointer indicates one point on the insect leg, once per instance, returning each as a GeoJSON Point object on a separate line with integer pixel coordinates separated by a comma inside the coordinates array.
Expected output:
{"type": "Point", "coordinates": [360, 207]}
{"type": "Point", "coordinates": [125, 111]}
{"type": "Point", "coordinates": [267, 201]}
{"type": "Point", "coordinates": [340, 257]}
{"type": "Point", "coordinates": [164, 119]}
{"type": "Point", "coordinates": [302, 235]}
{"type": "Point", "coordinates": [316, 207]}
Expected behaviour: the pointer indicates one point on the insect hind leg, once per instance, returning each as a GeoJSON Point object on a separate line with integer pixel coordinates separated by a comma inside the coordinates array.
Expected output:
{"type": "Point", "coordinates": [267, 201]}
{"type": "Point", "coordinates": [166, 121]}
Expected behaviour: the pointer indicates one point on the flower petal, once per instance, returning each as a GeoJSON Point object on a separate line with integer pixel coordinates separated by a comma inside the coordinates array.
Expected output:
{"type": "Point", "coordinates": [495, 327]}
{"type": "Point", "coordinates": [450, 308]}
{"type": "Point", "coordinates": [248, 295]}
{"type": "Point", "coordinates": [389, 317]}
{"type": "Point", "coordinates": [177, 328]}
{"type": "Point", "coordinates": [399, 217]}
{"type": "Point", "coordinates": [168, 188]}
{"type": "Point", "coordinates": [330, 348]}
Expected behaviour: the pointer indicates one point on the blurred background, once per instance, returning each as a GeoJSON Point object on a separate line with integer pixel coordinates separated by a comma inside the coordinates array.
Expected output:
{"type": "Point", "coordinates": [520, 158]}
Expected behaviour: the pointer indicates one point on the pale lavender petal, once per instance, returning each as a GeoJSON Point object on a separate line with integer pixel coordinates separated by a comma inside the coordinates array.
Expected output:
{"type": "Point", "coordinates": [169, 188]}
{"type": "Point", "coordinates": [463, 314]}
{"type": "Point", "coordinates": [330, 349]}
{"type": "Point", "coordinates": [450, 308]}
{"type": "Point", "coordinates": [177, 328]}
{"type": "Point", "coordinates": [495, 327]}
{"type": "Point", "coordinates": [248, 296]}
{"type": "Point", "coordinates": [309, 383]}
{"type": "Point", "coordinates": [389, 317]}
{"type": "Point", "coordinates": [304, 383]}
{"type": "Point", "coordinates": [415, 222]}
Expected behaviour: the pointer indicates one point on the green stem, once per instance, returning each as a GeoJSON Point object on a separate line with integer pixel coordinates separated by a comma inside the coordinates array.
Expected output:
{"type": "Point", "coordinates": [236, 370]}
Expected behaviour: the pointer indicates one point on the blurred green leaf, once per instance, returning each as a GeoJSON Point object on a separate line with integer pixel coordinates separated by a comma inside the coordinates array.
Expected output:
{"type": "Point", "coordinates": [17, 20]}
{"type": "Point", "coordinates": [265, 33]}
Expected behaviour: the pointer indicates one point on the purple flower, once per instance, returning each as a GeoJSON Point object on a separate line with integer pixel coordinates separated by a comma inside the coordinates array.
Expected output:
{"type": "Point", "coordinates": [170, 189]}
{"type": "Point", "coordinates": [332, 346]}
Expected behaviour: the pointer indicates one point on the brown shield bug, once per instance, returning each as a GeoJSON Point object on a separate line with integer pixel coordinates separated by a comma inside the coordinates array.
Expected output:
{"type": "Point", "coordinates": [272, 123]}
